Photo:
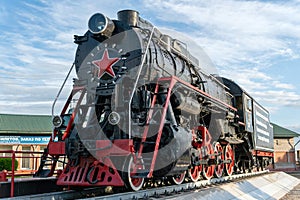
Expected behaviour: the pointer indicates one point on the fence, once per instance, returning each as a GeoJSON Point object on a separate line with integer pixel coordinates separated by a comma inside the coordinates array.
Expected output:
{"type": "Point", "coordinates": [14, 155]}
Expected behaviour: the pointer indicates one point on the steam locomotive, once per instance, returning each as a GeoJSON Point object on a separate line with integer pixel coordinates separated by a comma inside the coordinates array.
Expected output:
{"type": "Point", "coordinates": [146, 110]}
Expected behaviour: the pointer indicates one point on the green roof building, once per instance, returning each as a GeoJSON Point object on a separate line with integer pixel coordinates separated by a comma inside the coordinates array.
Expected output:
{"type": "Point", "coordinates": [24, 133]}
{"type": "Point", "coordinates": [285, 153]}
{"type": "Point", "coordinates": [12, 124]}
{"type": "Point", "coordinates": [280, 132]}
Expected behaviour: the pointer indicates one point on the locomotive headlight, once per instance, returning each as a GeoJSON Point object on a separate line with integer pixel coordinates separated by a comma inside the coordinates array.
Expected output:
{"type": "Point", "coordinates": [114, 118]}
{"type": "Point", "coordinates": [100, 24]}
{"type": "Point", "coordinates": [57, 121]}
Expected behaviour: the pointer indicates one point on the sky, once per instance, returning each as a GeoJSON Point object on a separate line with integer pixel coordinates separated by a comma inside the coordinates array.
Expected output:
{"type": "Point", "coordinates": [254, 43]}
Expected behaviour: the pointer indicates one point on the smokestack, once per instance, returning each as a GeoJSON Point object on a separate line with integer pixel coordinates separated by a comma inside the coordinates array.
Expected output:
{"type": "Point", "coordinates": [130, 17]}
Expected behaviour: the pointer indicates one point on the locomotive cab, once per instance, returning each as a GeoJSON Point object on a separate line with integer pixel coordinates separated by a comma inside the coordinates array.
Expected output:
{"type": "Point", "coordinates": [254, 128]}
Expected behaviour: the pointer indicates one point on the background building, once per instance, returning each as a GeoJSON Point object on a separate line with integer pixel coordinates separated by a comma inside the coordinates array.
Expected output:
{"type": "Point", "coordinates": [284, 148]}
{"type": "Point", "coordinates": [297, 150]}
{"type": "Point", "coordinates": [24, 133]}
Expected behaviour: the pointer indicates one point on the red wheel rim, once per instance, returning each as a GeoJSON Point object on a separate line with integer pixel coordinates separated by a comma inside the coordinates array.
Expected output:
{"type": "Point", "coordinates": [208, 171]}
{"type": "Point", "coordinates": [229, 156]}
{"type": "Point", "coordinates": [135, 183]}
{"type": "Point", "coordinates": [219, 167]}
{"type": "Point", "coordinates": [178, 179]}
{"type": "Point", "coordinates": [194, 173]}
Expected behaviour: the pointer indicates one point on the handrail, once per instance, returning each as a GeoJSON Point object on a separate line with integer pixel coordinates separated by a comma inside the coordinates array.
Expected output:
{"type": "Point", "coordinates": [137, 80]}
{"type": "Point", "coordinates": [13, 157]}
{"type": "Point", "coordinates": [58, 94]}
{"type": "Point", "coordinates": [60, 90]}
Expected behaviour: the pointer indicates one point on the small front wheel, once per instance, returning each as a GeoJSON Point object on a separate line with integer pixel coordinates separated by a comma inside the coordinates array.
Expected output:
{"type": "Point", "coordinates": [130, 169]}
{"type": "Point", "coordinates": [178, 179]}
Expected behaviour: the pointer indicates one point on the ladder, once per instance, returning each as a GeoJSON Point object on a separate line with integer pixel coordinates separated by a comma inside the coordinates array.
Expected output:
{"type": "Point", "coordinates": [162, 81]}
{"type": "Point", "coordinates": [49, 160]}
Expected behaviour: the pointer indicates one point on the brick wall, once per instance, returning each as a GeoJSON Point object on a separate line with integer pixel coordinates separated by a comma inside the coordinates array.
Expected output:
{"type": "Point", "coordinates": [284, 153]}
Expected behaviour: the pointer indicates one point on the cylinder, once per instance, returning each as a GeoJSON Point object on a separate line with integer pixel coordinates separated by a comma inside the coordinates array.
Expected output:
{"type": "Point", "coordinates": [130, 17]}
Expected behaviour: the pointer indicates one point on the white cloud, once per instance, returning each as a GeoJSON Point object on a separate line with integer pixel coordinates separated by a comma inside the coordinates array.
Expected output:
{"type": "Point", "coordinates": [278, 97]}
{"type": "Point", "coordinates": [279, 85]}
{"type": "Point", "coordinates": [243, 38]}
{"type": "Point", "coordinates": [249, 26]}
{"type": "Point", "coordinates": [41, 51]}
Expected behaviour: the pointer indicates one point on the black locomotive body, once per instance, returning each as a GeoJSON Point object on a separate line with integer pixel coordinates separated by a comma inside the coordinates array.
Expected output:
{"type": "Point", "coordinates": [147, 111]}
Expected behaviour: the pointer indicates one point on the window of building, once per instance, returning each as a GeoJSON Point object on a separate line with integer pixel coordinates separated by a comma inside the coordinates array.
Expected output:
{"type": "Point", "coordinates": [25, 158]}
{"type": "Point", "coordinates": [5, 148]}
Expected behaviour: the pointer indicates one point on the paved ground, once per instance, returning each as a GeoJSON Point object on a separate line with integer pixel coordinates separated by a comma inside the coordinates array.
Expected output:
{"type": "Point", "coordinates": [271, 186]}
{"type": "Point", "coordinates": [294, 194]}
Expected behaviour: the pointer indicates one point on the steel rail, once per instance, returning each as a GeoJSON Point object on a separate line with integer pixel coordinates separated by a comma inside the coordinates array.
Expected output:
{"type": "Point", "coordinates": [156, 192]}
{"type": "Point", "coordinates": [175, 189]}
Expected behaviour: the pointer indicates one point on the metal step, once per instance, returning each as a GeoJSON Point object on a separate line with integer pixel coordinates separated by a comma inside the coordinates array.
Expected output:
{"type": "Point", "coordinates": [158, 93]}
{"type": "Point", "coordinates": [141, 174]}
{"type": "Point", "coordinates": [146, 142]}
{"type": "Point", "coordinates": [42, 173]}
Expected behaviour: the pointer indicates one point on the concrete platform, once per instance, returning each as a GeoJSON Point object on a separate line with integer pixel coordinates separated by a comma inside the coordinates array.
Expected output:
{"type": "Point", "coordinates": [27, 186]}
{"type": "Point", "coordinates": [270, 186]}
{"type": "Point", "coordinates": [294, 194]}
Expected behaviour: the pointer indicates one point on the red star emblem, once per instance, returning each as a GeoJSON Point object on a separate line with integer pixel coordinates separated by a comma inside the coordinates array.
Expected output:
{"type": "Point", "coordinates": [105, 64]}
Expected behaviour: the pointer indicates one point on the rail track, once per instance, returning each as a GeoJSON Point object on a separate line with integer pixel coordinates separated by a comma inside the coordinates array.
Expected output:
{"type": "Point", "coordinates": [155, 192]}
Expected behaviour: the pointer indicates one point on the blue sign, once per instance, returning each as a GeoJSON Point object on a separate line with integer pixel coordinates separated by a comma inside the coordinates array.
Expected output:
{"type": "Point", "coordinates": [24, 139]}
